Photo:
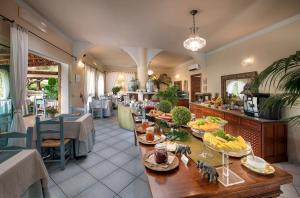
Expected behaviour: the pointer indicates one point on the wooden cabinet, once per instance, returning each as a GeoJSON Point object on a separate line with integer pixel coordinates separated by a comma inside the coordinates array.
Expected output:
{"type": "Point", "coordinates": [183, 102]}
{"type": "Point", "coordinates": [268, 138]}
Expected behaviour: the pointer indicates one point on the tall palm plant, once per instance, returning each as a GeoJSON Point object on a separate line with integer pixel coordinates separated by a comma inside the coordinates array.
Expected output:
{"type": "Point", "coordinates": [284, 75]}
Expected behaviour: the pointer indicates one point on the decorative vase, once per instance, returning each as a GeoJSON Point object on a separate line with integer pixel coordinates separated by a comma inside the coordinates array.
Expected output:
{"type": "Point", "coordinates": [51, 115]}
{"type": "Point", "coordinates": [132, 85]}
{"type": "Point", "coordinates": [150, 86]}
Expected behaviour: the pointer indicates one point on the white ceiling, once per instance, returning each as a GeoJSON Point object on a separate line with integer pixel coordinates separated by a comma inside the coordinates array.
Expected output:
{"type": "Point", "coordinates": [161, 24]}
{"type": "Point", "coordinates": [168, 59]}
{"type": "Point", "coordinates": [110, 56]}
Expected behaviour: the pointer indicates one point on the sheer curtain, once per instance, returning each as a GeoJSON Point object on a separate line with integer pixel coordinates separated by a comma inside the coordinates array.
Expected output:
{"type": "Point", "coordinates": [18, 73]}
{"type": "Point", "coordinates": [118, 79]}
{"type": "Point", "coordinates": [99, 83]}
{"type": "Point", "coordinates": [89, 85]}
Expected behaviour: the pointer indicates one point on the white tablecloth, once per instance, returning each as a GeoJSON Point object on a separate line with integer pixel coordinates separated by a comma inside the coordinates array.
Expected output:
{"type": "Point", "coordinates": [82, 130]}
{"type": "Point", "coordinates": [20, 172]}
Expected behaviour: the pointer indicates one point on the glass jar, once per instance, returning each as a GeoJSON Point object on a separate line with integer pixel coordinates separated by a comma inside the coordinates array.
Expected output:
{"type": "Point", "coordinates": [161, 154]}
{"type": "Point", "coordinates": [150, 134]}
{"type": "Point", "coordinates": [145, 124]}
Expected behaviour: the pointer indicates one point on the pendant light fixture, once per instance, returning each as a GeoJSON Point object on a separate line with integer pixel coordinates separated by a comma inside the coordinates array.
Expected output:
{"type": "Point", "coordinates": [194, 42]}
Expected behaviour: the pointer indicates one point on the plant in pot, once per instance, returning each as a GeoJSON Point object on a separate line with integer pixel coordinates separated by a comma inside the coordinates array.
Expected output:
{"type": "Point", "coordinates": [169, 94]}
{"type": "Point", "coordinates": [165, 106]}
{"type": "Point", "coordinates": [284, 75]}
{"type": "Point", "coordinates": [116, 89]}
{"type": "Point", "coordinates": [51, 111]}
{"type": "Point", "coordinates": [181, 115]}
{"type": "Point", "coordinates": [51, 89]}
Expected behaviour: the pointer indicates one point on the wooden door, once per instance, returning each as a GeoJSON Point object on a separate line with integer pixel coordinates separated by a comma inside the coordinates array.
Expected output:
{"type": "Point", "coordinates": [195, 85]}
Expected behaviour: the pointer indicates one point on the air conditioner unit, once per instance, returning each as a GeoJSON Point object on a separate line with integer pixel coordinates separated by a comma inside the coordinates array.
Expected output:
{"type": "Point", "coordinates": [193, 67]}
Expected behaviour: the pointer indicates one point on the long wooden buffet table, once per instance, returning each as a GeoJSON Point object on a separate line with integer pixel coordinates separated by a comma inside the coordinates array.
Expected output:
{"type": "Point", "coordinates": [186, 181]}
{"type": "Point", "coordinates": [267, 137]}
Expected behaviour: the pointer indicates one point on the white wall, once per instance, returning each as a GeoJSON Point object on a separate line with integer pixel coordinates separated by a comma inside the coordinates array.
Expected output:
{"type": "Point", "coordinates": [265, 49]}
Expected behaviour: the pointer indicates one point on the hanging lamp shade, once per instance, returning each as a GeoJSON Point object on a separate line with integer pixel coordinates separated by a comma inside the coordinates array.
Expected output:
{"type": "Point", "coordinates": [194, 42]}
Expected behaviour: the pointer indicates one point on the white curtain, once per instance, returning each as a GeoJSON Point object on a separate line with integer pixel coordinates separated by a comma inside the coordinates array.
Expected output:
{"type": "Point", "coordinates": [99, 83]}
{"type": "Point", "coordinates": [18, 73]}
{"type": "Point", "coordinates": [118, 79]}
{"type": "Point", "coordinates": [89, 85]}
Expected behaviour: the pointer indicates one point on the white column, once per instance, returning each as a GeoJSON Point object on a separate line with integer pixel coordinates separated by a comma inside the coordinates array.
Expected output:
{"type": "Point", "coordinates": [142, 69]}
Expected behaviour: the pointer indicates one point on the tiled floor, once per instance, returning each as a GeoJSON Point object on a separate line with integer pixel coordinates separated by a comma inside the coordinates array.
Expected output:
{"type": "Point", "coordinates": [113, 169]}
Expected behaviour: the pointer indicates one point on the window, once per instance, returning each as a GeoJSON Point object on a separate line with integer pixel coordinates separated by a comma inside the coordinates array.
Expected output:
{"type": "Point", "coordinates": [4, 84]}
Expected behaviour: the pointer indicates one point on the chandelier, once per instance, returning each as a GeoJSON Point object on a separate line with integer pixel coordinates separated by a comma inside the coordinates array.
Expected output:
{"type": "Point", "coordinates": [194, 42]}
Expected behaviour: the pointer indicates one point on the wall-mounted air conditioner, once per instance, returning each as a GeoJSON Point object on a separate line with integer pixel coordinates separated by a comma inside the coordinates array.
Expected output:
{"type": "Point", "coordinates": [193, 67]}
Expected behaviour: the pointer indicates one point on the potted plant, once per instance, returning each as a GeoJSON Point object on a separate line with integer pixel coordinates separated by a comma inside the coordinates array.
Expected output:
{"type": "Point", "coordinates": [51, 89]}
{"type": "Point", "coordinates": [51, 111]}
{"type": "Point", "coordinates": [116, 89]}
{"type": "Point", "coordinates": [165, 106]}
{"type": "Point", "coordinates": [284, 74]}
{"type": "Point", "coordinates": [169, 94]}
{"type": "Point", "coordinates": [181, 115]}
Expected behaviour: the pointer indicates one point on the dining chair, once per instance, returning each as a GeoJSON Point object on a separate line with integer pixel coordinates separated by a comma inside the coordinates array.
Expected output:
{"type": "Point", "coordinates": [5, 136]}
{"type": "Point", "coordinates": [64, 146]}
{"type": "Point", "coordinates": [97, 108]}
{"type": "Point", "coordinates": [40, 106]}
{"type": "Point", "coordinates": [134, 116]}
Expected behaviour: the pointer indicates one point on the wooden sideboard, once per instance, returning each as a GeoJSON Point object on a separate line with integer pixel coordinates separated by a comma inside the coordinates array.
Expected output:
{"type": "Point", "coordinates": [267, 137]}
{"type": "Point", "coordinates": [183, 102]}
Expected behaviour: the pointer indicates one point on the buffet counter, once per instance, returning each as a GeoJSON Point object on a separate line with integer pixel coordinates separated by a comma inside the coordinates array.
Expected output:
{"type": "Point", "coordinates": [267, 137]}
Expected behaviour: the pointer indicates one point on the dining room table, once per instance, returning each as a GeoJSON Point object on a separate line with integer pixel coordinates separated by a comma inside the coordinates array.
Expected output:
{"type": "Point", "coordinates": [187, 181]}
{"type": "Point", "coordinates": [22, 174]}
{"type": "Point", "coordinates": [80, 128]}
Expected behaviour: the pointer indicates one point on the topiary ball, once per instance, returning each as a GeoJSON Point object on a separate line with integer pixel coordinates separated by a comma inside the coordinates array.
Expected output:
{"type": "Point", "coordinates": [181, 115]}
{"type": "Point", "coordinates": [165, 106]}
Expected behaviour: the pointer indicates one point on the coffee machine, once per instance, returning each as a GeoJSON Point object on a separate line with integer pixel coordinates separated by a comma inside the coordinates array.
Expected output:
{"type": "Point", "coordinates": [252, 107]}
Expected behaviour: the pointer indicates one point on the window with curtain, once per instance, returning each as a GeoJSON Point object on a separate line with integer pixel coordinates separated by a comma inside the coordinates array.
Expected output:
{"type": "Point", "coordinates": [90, 82]}
{"type": "Point", "coordinates": [113, 79]}
{"type": "Point", "coordinates": [99, 83]}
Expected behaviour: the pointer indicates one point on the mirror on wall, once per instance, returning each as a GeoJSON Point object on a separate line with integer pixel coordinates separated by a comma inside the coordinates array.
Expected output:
{"type": "Point", "coordinates": [178, 84]}
{"type": "Point", "coordinates": [233, 85]}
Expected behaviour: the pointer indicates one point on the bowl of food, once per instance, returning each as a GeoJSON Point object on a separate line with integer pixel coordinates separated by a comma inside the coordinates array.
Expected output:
{"type": "Point", "coordinates": [256, 162]}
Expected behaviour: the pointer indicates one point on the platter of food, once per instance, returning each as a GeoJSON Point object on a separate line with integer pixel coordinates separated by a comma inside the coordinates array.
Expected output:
{"type": "Point", "coordinates": [216, 120]}
{"type": "Point", "coordinates": [150, 162]}
{"type": "Point", "coordinates": [230, 145]}
{"type": "Point", "coordinates": [201, 126]}
{"type": "Point", "coordinates": [155, 113]}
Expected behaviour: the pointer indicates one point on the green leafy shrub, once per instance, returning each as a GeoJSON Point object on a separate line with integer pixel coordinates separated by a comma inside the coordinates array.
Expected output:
{"type": "Point", "coordinates": [51, 89]}
{"type": "Point", "coordinates": [165, 106]}
{"type": "Point", "coordinates": [169, 94]}
{"type": "Point", "coordinates": [116, 89]}
{"type": "Point", "coordinates": [181, 115]}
